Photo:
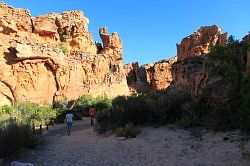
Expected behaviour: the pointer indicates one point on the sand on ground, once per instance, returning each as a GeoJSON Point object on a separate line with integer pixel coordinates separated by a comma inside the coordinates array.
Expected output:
{"type": "Point", "coordinates": [164, 146]}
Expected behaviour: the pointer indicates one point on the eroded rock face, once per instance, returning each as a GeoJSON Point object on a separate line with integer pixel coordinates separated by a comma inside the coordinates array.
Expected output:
{"type": "Point", "coordinates": [200, 42]}
{"type": "Point", "coordinates": [45, 25]}
{"type": "Point", "coordinates": [150, 77]}
{"type": "Point", "coordinates": [54, 58]}
{"type": "Point", "coordinates": [70, 28]}
{"type": "Point", "coordinates": [13, 20]}
{"type": "Point", "coordinates": [137, 78]}
{"type": "Point", "coordinates": [159, 74]}
{"type": "Point", "coordinates": [112, 44]}
{"type": "Point", "coordinates": [187, 74]}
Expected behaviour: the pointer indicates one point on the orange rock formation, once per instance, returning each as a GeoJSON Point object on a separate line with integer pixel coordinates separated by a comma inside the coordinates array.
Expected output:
{"type": "Point", "coordinates": [200, 42]}
{"type": "Point", "coordinates": [53, 57]}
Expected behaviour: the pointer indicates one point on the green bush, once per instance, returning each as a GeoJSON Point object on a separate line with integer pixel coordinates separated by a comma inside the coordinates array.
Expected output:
{"type": "Point", "coordinates": [28, 113]}
{"type": "Point", "coordinates": [63, 48]}
{"type": "Point", "coordinates": [128, 131]}
{"type": "Point", "coordinates": [16, 136]}
{"type": "Point", "coordinates": [228, 64]}
{"type": "Point", "coordinates": [60, 110]}
{"type": "Point", "coordinates": [45, 114]}
{"type": "Point", "coordinates": [17, 123]}
{"type": "Point", "coordinates": [103, 118]}
{"type": "Point", "coordinates": [83, 104]}
{"type": "Point", "coordinates": [151, 108]}
{"type": "Point", "coordinates": [245, 106]}
{"type": "Point", "coordinates": [86, 101]}
{"type": "Point", "coordinates": [58, 105]}
{"type": "Point", "coordinates": [189, 117]}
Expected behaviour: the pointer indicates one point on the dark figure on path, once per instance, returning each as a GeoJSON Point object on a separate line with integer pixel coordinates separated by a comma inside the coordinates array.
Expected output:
{"type": "Point", "coordinates": [92, 114]}
{"type": "Point", "coordinates": [69, 120]}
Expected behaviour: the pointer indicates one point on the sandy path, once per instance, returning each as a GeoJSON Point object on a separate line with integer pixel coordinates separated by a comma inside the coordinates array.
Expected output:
{"type": "Point", "coordinates": [153, 146]}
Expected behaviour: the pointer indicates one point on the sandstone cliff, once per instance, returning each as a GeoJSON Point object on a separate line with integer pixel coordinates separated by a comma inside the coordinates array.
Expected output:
{"type": "Point", "coordinates": [53, 57]}
{"type": "Point", "coordinates": [200, 42]}
{"type": "Point", "coordinates": [149, 77]}
{"type": "Point", "coordinates": [189, 72]}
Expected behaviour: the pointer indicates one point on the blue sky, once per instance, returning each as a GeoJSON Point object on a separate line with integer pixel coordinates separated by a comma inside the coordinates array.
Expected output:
{"type": "Point", "coordinates": [150, 29]}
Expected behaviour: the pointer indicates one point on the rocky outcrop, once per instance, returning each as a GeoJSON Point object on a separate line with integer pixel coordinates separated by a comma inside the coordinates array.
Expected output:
{"type": "Point", "coordinates": [69, 28]}
{"type": "Point", "coordinates": [159, 74]}
{"type": "Point", "coordinates": [189, 73]}
{"type": "Point", "coordinates": [184, 71]}
{"type": "Point", "coordinates": [174, 72]}
{"type": "Point", "coordinates": [112, 44]}
{"type": "Point", "coordinates": [137, 78]}
{"type": "Point", "coordinates": [200, 42]}
{"type": "Point", "coordinates": [13, 20]}
{"type": "Point", "coordinates": [53, 57]}
{"type": "Point", "coordinates": [149, 77]}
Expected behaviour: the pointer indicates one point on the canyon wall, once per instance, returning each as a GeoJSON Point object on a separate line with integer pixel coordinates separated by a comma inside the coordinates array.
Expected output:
{"type": "Point", "coordinates": [186, 71]}
{"type": "Point", "coordinates": [189, 72]}
{"type": "Point", "coordinates": [200, 42]}
{"type": "Point", "coordinates": [149, 77]}
{"type": "Point", "coordinates": [53, 57]}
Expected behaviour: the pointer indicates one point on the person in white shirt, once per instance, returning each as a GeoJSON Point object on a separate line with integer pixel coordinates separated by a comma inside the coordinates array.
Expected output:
{"type": "Point", "coordinates": [69, 120]}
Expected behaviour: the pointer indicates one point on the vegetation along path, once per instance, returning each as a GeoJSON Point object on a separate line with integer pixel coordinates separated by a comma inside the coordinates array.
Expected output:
{"type": "Point", "coordinates": [153, 146]}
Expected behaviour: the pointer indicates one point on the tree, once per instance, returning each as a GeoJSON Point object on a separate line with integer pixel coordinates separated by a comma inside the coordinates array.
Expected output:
{"type": "Point", "coordinates": [231, 40]}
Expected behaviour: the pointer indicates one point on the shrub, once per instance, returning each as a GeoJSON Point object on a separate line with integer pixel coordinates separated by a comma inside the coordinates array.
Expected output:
{"type": "Point", "coordinates": [103, 119]}
{"type": "Point", "coordinates": [102, 103]}
{"type": "Point", "coordinates": [16, 136]}
{"type": "Point", "coordinates": [58, 105]}
{"type": "Point", "coordinates": [153, 108]}
{"type": "Point", "coordinates": [83, 104]}
{"type": "Point", "coordinates": [86, 101]}
{"type": "Point", "coordinates": [245, 106]}
{"type": "Point", "coordinates": [16, 126]}
{"type": "Point", "coordinates": [228, 64]}
{"type": "Point", "coordinates": [189, 117]}
{"type": "Point", "coordinates": [45, 114]}
{"type": "Point", "coordinates": [63, 48]}
{"type": "Point", "coordinates": [60, 115]}
{"type": "Point", "coordinates": [129, 131]}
